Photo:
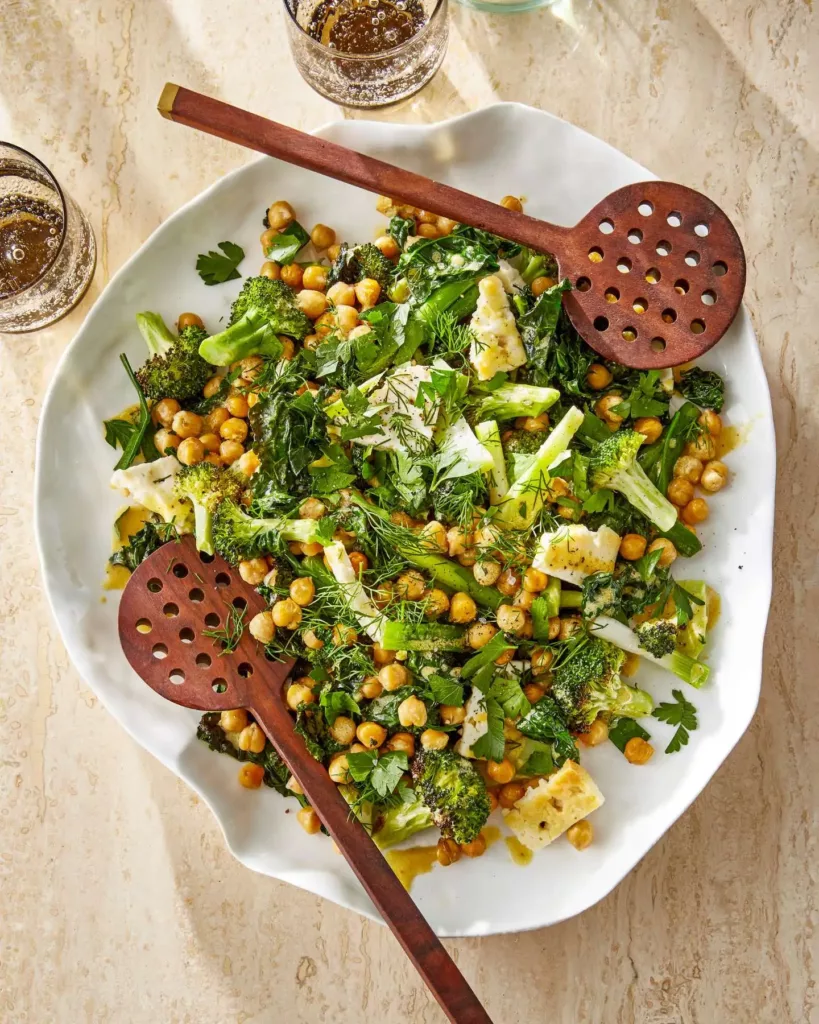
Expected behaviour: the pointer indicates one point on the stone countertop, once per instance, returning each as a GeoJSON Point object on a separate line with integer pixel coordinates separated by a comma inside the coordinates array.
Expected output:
{"type": "Point", "coordinates": [120, 901]}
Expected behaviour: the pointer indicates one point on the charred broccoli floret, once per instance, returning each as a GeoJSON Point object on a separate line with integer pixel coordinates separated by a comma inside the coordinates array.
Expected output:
{"type": "Point", "coordinates": [522, 442]}
{"type": "Point", "coordinates": [238, 536]}
{"type": "Point", "coordinates": [657, 636]}
{"type": "Point", "coordinates": [175, 368]}
{"type": "Point", "coordinates": [263, 310]}
{"type": "Point", "coordinates": [704, 388]}
{"type": "Point", "coordinates": [357, 262]}
{"type": "Point", "coordinates": [205, 485]}
{"type": "Point", "coordinates": [454, 791]}
{"type": "Point", "coordinates": [613, 465]}
{"type": "Point", "coordinates": [586, 683]}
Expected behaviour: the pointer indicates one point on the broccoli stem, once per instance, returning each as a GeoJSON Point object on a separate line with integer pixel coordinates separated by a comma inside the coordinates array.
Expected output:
{"type": "Point", "coordinates": [553, 596]}
{"type": "Point", "coordinates": [155, 333]}
{"type": "Point", "coordinates": [640, 492]}
{"type": "Point", "coordinates": [497, 481]}
{"type": "Point", "coordinates": [534, 268]}
{"type": "Point", "coordinates": [525, 497]}
{"type": "Point", "coordinates": [571, 599]}
{"type": "Point", "coordinates": [203, 528]}
{"type": "Point", "coordinates": [250, 335]}
{"type": "Point", "coordinates": [690, 671]}
{"type": "Point", "coordinates": [511, 400]}
{"type": "Point", "coordinates": [422, 636]}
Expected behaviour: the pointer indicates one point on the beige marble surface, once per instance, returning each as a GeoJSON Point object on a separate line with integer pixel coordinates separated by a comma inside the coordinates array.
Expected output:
{"type": "Point", "coordinates": [119, 900]}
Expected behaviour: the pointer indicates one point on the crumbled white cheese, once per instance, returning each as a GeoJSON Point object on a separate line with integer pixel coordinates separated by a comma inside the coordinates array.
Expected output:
{"type": "Point", "coordinates": [404, 427]}
{"type": "Point", "coordinates": [151, 484]}
{"type": "Point", "coordinates": [497, 345]}
{"type": "Point", "coordinates": [555, 804]}
{"type": "Point", "coordinates": [476, 723]}
{"type": "Point", "coordinates": [574, 552]}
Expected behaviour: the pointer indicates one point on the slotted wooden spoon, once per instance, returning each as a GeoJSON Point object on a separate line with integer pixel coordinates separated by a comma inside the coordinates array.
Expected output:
{"type": "Point", "coordinates": [657, 269]}
{"type": "Point", "coordinates": [168, 601]}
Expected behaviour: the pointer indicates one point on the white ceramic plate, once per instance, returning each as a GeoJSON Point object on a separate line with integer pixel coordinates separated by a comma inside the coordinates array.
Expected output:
{"type": "Point", "coordinates": [562, 172]}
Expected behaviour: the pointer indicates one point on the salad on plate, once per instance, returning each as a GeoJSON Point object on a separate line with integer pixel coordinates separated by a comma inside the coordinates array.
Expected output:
{"type": "Point", "coordinates": [468, 527]}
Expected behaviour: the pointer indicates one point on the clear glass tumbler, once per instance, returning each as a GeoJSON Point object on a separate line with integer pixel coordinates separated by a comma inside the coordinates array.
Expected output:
{"type": "Point", "coordinates": [367, 79]}
{"type": "Point", "coordinates": [47, 248]}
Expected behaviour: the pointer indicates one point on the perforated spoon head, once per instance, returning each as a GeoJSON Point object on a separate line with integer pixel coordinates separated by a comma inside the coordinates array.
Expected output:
{"type": "Point", "coordinates": [170, 600]}
{"type": "Point", "coordinates": [658, 272]}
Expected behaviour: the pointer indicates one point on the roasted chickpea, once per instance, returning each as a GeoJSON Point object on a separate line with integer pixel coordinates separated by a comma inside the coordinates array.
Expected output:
{"type": "Point", "coordinates": [230, 451]}
{"type": "Point", "coordinates": [447, 852]}
{"type": "Point", "coordinates": [213, 421]}
{"type": "Point", "coordinates": [410, 585]}
{"type": "Point", "coordinates": [315, 278]}
{"type": "Point", "coordinates": [511, 619]}
{"type": "Point", "coordinates": [512, 203]}
{"type": "Point", "coordinates": [598, 733]}
{"type": "Point", "coordinates": [688, 468]}
{"type": "Point", "coordinates": [632, 547]}
{"type": "Point", "coordinates": [309, 820]}
{"type": "Point", "coordinates": [367, 291]}
{"type": "Point", "coordinates": [333, 252]}
{"type": "Point", "coordinates": [532, 692]}
{"type": "Point", "coordinates": [669, 551]}
{"type": "Point", "coordinates": [247, 464]}
{"type": "Point", "coordinates": [711, 422]}
{"type": "Point", "coordinates": [479, 634]}
{"type": "Point", "coordinates": [302, 591]}
{"type": "Point", "coordinates": [233, 721]}
{"type": "Point", "coordinates": [251, 775]}
{"type": "Point", "coordinates": [468, 558]}
{"type": "Point", "coordinates": [293, 276]}
{"type": "Point", "coordinates": [371, 735]}
{"type": "Point", "coordinates": [500, 771]}
{"type": "Point", "coordinates": [649, 426]}
{"type": "Point", "coordinates": [714, 476]}
{"type": "Point", "coordinates": [604, 409]}
{"type": "Point", "coordinates": [251, 738]}
{"type": "Point", "coordinates": [452, 714]}
{"type": "Point", "coordinates": [402, 741]}
{"type": "Point", "coordinates": [210, 442]}
{"type": "Point", "coordinates": [312, 549]}
{"type": "Point", "coordinates": [433, 537]}
{"type": "Point", "coordinates": [388, 246]}
{"type": "Point", "coordinates": [236, 405]}
{"type": "Point", "coordinates": [187, 424]}
{"type": "Point", "coordinates": [287, 614]}
{"type": "Point", "coordinates": [581, 834]}
{"type": "Point", "coordinates": [445, 225]}
{"type": "Point", "coordinates": [434, 739]}
{"type": "Point", "coordinates": [233, 429]}
{"type": "Point", "coordinates": [339, 769]}
{"type": "Point", "coordinates": [322, 237]}
{"type": "Point", "coordinates": [262, 628]}
{"type": "Point", "coordinates": [393, 677]}
{"type": "Point", "coordinates": [509, 582]}
{"type": "Point", "coordinates": [270, 269]}
{"type": "Point", "coordinates": [382, 657]}
{"type": "Point", "coordinates": [542, 659]}
{"type": "Point", "coordinates": [211, 387]}
{"type": "Point", "coordinates": [341, 294]}
{"type": "Point", "coordinates": [696, 511]}
{"type": "Point", "coordinates": [383, 594]}
{"type": "Point", "coordinates": [311, 640]}
{"type": "Point", "coordinates": [346, 318]}
{"type": "Point", "coordinates": [511, 793]}
{"type": "Point", "coordinates": [477, 848]}
{"type": "Point", "coordinates": [486, 572]}
{"type": "Point", "coordinates": [412, 712]}
{"type": "Point", "coordinates": [524, 599]}
{"type": "Point", "coordinates": [429, 231]}
{"type": "Point", "coordinates": [280, 214]}
{"type": "Point", "coordinates": [554, 627]}
{"type": "Point", "coordinates": [541, 285]}
{"type": "Point", "coordinates": [359, 562]}
{"type": "Point", "coordinates": [343, 730]}
{"type": "Point", "coordinates": [253, 571]}
{"type": "Point", "coordinates": [267, 238]}
{"type": "Point", "coordinates": [569, 625]}
{"type": "Point", "coordinates": [312, 303]}
{"type": "Point", "coordinates": [344, 636]}
{"type": "Point", "coordinates": [164, 411]}
{"type": "Point", "coordinates": [532, 424]}
{"type": "Point", "coordinates": [462, 608]}
{"type": "Point", "coordinates": [371, 687]}
{"type": "Point", "coordinates": [189, 320]}
{"type": "Point", "coordinates": [458, 541]}
{"type": "Point", "coordinates": [493, 799]}
{"type": "Point", "coordinates": [598, 377]}
{"type": "Point", "coordinates": [638, 751]}
{"type": "Point", "coordinates": [359, 331]}
{"type": "Point", "coordinates": [534, 580]}
{"type": "Point", "coordinates": [702, 447]}
{"type": "Point", "coordinates": [191, 451]}
{"type": "Point", "coordinates": [680, 491]}
{"type": "Point", "coordinates": [436, 603]}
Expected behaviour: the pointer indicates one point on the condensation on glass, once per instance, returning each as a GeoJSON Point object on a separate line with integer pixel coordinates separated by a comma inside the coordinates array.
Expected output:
{"type": "Point", "coordinates": [47, 248]}
{"type": "Point", "coordinates": [367, 53]}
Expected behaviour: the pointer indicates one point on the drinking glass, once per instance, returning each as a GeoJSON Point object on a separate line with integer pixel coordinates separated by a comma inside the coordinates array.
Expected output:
{"type": "Point", "coordinates": [368, 79]}
{"type": "Point", "coordinates": [47, 248]}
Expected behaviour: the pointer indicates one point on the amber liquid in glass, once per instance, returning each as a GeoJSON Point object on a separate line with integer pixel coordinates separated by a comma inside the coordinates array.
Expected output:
{"type": "Point", "coordinates": [30, 233]}
{"type": "Point", "coordinates": [366, 26]}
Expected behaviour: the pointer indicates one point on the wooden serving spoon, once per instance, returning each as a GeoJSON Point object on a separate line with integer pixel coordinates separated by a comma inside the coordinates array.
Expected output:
{"type": "Point", "coordinates": [657, 269]}
{"type": "Point", "coordinates": [170, 598]}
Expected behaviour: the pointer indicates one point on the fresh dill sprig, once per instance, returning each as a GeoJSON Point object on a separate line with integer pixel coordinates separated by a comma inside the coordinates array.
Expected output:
{"type": "Point", "coordinates": [229, 636]}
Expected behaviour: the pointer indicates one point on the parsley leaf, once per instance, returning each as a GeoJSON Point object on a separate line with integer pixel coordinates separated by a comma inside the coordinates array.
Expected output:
{"type": "Point", "coordinates": [683, 714]}
{"type": "Point", "coordinates": [446, 691]}
{"type": "Point", "coordinates": [510, 696]}
{"type": "Point", "coordinates": [493, 743]}
{"type": "Point", "coordinates": [337, 703]}
{"type": "Point", "coordinates": [215, 268]}
{"type": "Point", "coordinates": [285, 246]}
{"type": "Point", "coordinates": [378, 777]}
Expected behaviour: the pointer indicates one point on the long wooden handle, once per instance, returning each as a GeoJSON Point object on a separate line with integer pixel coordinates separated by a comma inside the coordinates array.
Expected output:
{"type": "Point", "coordinates": [294, 147]}
{"type": "Point", "coordinates": [408, 924]}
